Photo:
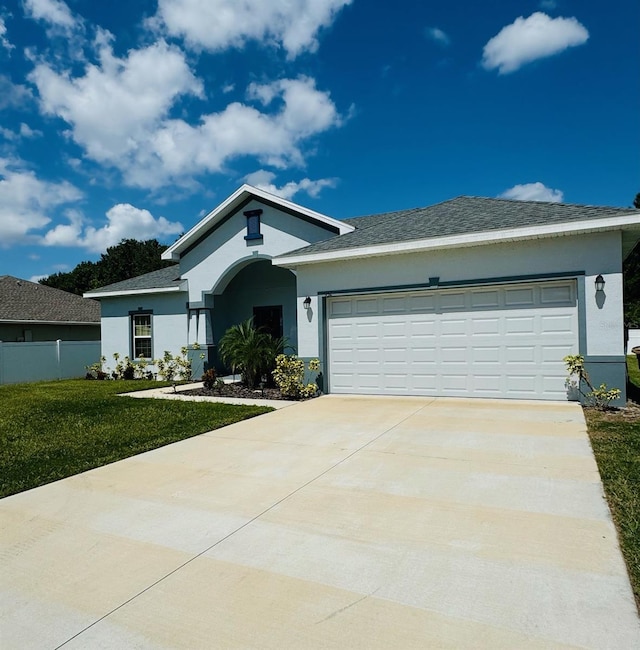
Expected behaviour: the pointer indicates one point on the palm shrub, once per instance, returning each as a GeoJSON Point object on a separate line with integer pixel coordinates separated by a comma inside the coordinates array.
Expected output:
{"type": "Point", "coordinates": [249, 350]}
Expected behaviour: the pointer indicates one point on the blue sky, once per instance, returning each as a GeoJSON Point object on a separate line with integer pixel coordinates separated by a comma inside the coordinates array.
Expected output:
{"type": "Point", "coordinates": [134, 119]}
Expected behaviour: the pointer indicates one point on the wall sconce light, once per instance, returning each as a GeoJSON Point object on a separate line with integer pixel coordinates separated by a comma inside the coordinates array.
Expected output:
{"type": "Point", "coordinates": [599, 283]}
{"type": "Point", "coordinates": [307, 302]}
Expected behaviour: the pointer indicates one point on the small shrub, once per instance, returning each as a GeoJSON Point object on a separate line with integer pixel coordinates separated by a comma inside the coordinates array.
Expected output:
{"type": "Point", "coordinates": [289, 374]}
{"type": "Point", "coordinates": [209, 378]}
{"type": "Point", "coordinates": [171, 368]}
{"type": "Point", "coordinates": [96, 371]}
{"type": "Point", "coordinates": [601, 397]}
{"type": "Point", "coordinates": [124, 368]}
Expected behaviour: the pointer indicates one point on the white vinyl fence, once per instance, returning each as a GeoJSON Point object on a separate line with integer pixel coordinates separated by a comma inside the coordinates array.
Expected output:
{"type": "Point", "coordinates": [23, 362]}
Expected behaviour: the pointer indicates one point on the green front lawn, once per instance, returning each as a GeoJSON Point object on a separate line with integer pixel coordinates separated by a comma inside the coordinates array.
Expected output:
{"type": "Point", "coordinates": [615, 438]}
{"type": "Point", "coordinates": [51, 430]}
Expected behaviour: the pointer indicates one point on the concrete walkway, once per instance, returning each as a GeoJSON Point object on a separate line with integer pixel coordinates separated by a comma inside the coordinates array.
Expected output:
{"type": "Point", "coordinates": [341, 522]}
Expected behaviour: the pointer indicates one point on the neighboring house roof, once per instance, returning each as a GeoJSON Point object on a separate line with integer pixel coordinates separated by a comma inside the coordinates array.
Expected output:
{"type": "Point", "coordinates": [466, 220]}
{"type": "Point", "coordinates": [161, 281]}
{"type": "Point", "coordinates": [22, 301]}
{"type": "Point", "coordinates": [241, 197]}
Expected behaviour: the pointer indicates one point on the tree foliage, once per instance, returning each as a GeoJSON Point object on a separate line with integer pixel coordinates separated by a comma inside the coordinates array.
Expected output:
{"type": "Point", "coordinates": [125, 260]}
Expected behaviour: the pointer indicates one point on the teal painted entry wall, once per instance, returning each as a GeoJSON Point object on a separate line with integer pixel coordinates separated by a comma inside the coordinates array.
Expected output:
{"type": "Point", "coordinates": [257, 285]}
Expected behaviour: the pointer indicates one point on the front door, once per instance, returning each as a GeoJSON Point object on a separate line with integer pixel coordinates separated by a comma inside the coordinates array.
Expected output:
{"type": "Point", "coordinates": [269, 319]}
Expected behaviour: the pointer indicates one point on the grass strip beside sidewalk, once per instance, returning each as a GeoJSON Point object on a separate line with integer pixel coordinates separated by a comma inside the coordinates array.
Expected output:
{"type": "Point", "coordinates": [615, 439]}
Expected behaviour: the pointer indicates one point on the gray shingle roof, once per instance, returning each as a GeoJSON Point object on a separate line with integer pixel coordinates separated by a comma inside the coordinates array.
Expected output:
{"type": "Point", "coordinates": [459, 216]}
{"type": "Point", "coordinates": [21, 300]}
{"type": "Point", "coordinates": [161, 279]}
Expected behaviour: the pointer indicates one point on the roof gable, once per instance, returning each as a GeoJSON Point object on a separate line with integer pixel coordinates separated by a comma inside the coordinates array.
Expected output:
{"type": "Point", "coordinates": [24, 301]}
{"type": "Point", "coordinates": [240, 198]}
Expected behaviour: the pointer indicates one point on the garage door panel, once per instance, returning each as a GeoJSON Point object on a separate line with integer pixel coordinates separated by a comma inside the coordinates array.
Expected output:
{"type": "Point", "coordinates": [488, 385]}
{"type": "Point", "coordinates": [556, 295]}
{"type": "Point", "coordinates": [453, 355]}
{"type": "Point", "coordinates": [368, 380]}
{"type": "Point", "coordinates": [485, 299]}
{"type": "Point", "coordinates": [340, 307]}
{"type": "Point", "coordinates": [485, 354]}
{"type": "Point", "coordinates": [519, 325]}
{"type": "Point", "coordinates": [519, 297]}
{"type": "Point", "coordinates": [367, 355]}
{"type": "Point", "coordinates": [396, 381]}
{"type": "Point", "coordinates": [450, 301]}
{"type": "Point", "coordinates": [491, 342]}
{"type": "Point", "coordinates": [394, 330]}
{"type": "Point", "coordinates": [422, 304]}
{"type": "Point", "coordinates": [551, 353]}
{"type": "Point", "coordinates": [394, 305]}
{"type": "Point", "coordinates": [423, 382]}
{"type": "Point", "coordinates": [422, 328]}
{"type": "Point", "coordinates": [485, 326]}
{"type": "Point", "coordinates": [395, 355]}
{"type": "Point", "coordinates": [424, 355]}
{"type": "Point", "coordinates": [364, 306]}
{"type": "Point", "coordinates": [342, 380]}
{"type": "Point", "coordinates": [557, 324]}
{"type": "Point", "coordinates": [454, 382]}
{"type": "Point", "coordinates": [453, 327]}
{"type": "Point", "coordinates": [521, 354]}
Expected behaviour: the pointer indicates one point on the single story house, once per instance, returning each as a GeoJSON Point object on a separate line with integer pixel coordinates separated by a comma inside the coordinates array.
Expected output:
{"type": "Point", "coordinates": [31, 312]}
{"type": "Point", "coordinates": [470, 297]}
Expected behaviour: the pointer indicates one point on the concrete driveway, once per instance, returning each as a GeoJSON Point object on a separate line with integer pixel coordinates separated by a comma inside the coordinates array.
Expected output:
{"type": "Point", "coordinates": [343, 522]}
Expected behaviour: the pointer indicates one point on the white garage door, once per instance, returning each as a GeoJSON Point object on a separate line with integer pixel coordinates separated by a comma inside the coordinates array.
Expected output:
{"type": "Point", "coordinates": [489, 341]}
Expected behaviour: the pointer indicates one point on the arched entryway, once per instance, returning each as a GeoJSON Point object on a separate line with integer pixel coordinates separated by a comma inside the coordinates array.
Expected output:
{"type": "Point", "coordinates": [262, 291]}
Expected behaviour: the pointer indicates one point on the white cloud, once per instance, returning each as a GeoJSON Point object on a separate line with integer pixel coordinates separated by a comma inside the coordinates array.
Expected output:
{"type": "Point", "coordinates": [113, 108]}
{"type": "Point", "coordinates": [263, 180]}
{"type": "Point", "coordinates": [37, 278]}
{"type": "Point", "coordinates": [532, 38]}
{"type": "Point", "coordinates": [26, 201]}
{"type": "Point", "coordinates": [4, 41]}
{"type": "Point", "coordinates": [533, 192]}
{"type": "Point", "coordinates": [27, 132]}
{"type": "Point", "coordinates": [13, 95]}
{"type": "Point", "coordinates": [8, 134]}
{"type": "Point", "coordinates": [119, 113]}
{"type": "Point", "coordinates": [53, 12]}
{"type": "Point", "coordinates": [438, 36]}
{"type": "Point", "coordinates": [124, 221]}
{"type": "Point", "coordinates": [219, 24]}
{"type": "Point", "coordinates": [241, 130]}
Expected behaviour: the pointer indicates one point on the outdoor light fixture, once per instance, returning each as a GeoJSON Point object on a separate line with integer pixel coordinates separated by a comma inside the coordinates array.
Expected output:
{"type": "Point", "coordinates": [599, 283]}
{"type": "Point", "coordinates": [307, 302]}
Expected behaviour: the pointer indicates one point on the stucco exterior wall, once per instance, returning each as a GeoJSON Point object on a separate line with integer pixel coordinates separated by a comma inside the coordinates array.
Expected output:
{"type": "Point", "coordinates": [218, 257]}
{"type": "Point", "coordinates": [601, 323]}
{"type": "Point", "coordinates": [169, 323]}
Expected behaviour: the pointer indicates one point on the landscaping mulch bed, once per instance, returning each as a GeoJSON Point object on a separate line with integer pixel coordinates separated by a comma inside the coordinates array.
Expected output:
{"type": "Point", "coordinates": [630, 412]}
{"type": "Point", "coordinates": [237, 390]}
